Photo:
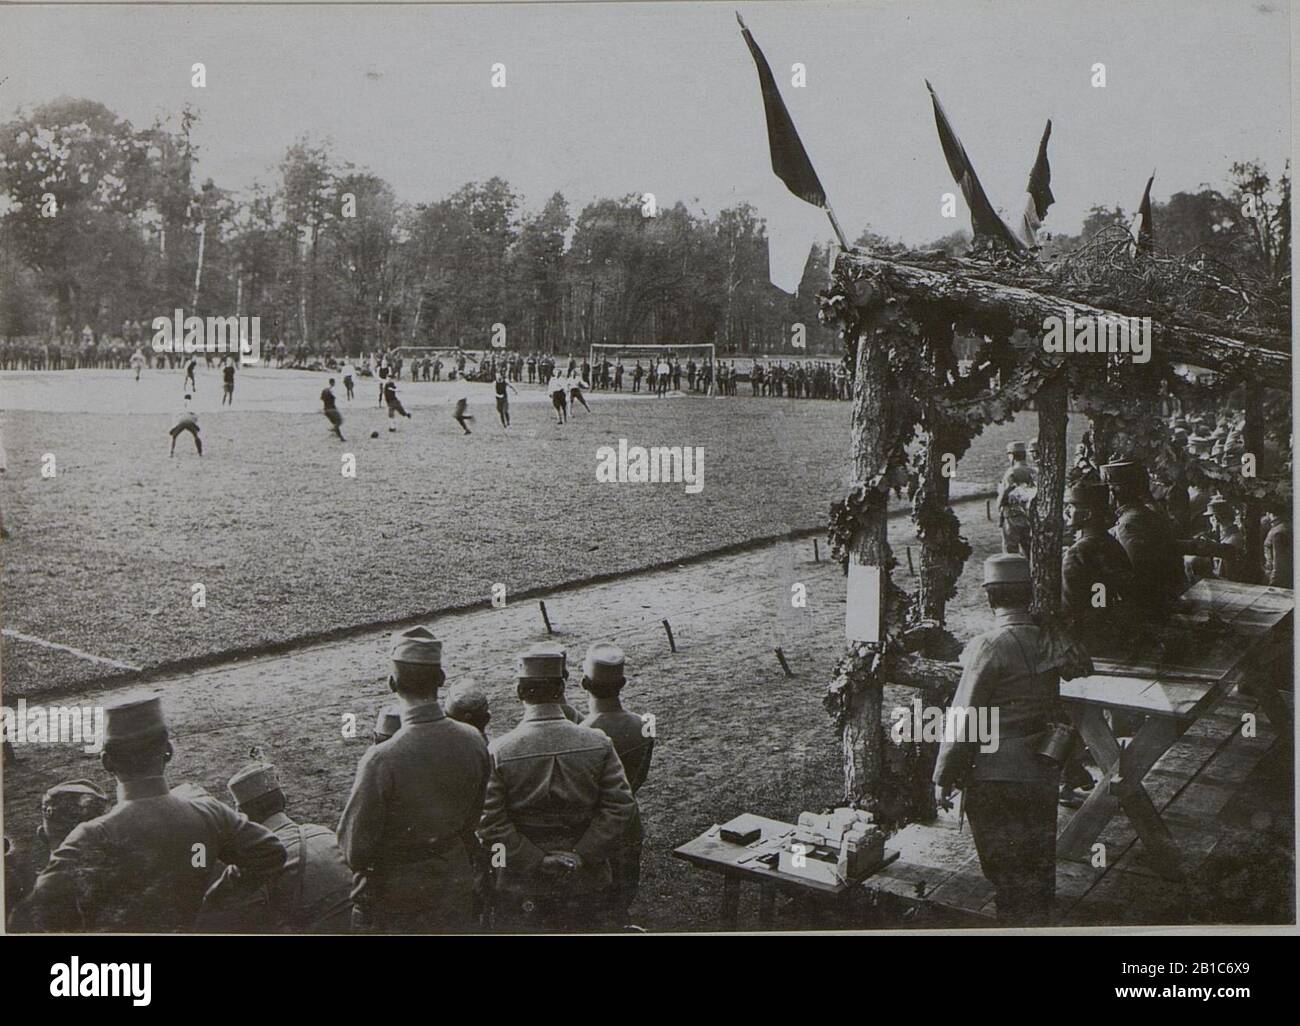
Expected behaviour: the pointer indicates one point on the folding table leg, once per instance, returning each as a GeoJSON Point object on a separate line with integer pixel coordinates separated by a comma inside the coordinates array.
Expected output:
{"type": "Point", "coordinates": [1075, 841]}
{"type": "Point", "coordinates": [730, 900]}
{"type": "Point", "coordinates": [766, 902]}
{"type": "Point", "coordinates": [1153, 739]}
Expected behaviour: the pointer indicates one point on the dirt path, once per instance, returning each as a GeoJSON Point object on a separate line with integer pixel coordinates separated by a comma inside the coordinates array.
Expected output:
{"type": "Point", "coordinates": [733, 732]}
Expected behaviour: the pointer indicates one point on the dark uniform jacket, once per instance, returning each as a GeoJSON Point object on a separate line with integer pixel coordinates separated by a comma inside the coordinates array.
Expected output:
{"type": "Point", "coordinates": [1000, 671]}
{"type": "Point", "coordinates": [625, 729]}
{"type": "Point", "coordinates": [309, 896]}
{"type": "Point", "coordinates": [555, 786]}
{"type": "Point", "coordinates": [145, 865]}
{"type": "Point", "coordinates": [1278, 556]}
{"type": "Point", "coordinates": [416, 798]}
{"type": "Point", "coordinates": [1148, 541]}
{"type": "Point", "coordinates": [1094, 558]}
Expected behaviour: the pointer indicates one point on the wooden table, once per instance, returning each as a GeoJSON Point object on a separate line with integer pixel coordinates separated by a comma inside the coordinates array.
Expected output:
{"type": "Point", "coordinates": [1171, 679]}
{"type": "Point", "coordinates": [739, 863]}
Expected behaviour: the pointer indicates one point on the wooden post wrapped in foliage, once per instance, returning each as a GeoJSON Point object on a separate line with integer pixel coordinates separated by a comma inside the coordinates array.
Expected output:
{"type": "Point", "coordinates": [1045, 558]}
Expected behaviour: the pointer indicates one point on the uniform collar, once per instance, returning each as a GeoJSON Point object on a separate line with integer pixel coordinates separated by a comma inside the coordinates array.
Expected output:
{"type": "Point", "coordinates": [430, 712]}
{"type": "Point", "coordinates": [277, 821]}
{"type": "Point", "coordinates": [144, 787]}
{"type": "Point", "coordinates": [544, 711]}
{"type": "Point", "coordinates": [1014, 618]}
{"type": "Point", "coordinates": [606, 705]}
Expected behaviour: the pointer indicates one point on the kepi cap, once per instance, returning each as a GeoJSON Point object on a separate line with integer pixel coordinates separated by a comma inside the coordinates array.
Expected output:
{"type": "Point", "coordinates": [542, 662]}
{"type": "Point", "coordinates": [1091, 494]}
{"type": "Point", "coordinates": [388, 722]}
{"type": "Point", "coordinates": [1016, 448]}
{"type": "Point", "coordinates": [253, 781]}
{"type": "Point", "coordinates": [1006, 568]}
{"type": "Point", "coordinates": [137, 720]}
{"type": "Point", "coordinates": [1119, 472]}
{"type": "Point", "coordinates": [604, 664]}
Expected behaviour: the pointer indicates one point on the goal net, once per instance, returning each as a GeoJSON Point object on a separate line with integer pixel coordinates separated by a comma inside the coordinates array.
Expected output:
{"type": "Point", "coordinates": [683, 352]}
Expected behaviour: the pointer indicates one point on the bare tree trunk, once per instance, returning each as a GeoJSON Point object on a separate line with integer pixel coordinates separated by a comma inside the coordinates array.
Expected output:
{"type": "Point", "coordinates": [862, 737]}
{"type": "Point", "coordinates": [1053, 416]}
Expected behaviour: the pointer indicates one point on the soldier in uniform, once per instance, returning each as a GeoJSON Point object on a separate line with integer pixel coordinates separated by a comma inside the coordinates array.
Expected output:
{"type": "Point", "coordinates": [1010, 793]}
{"type": "Point", "coordinates": [1095, 558]}
{"type": "Point", "coordinates": [603, 677]}
{"type": "Point", "coordinates": [1148, 541]}
{"type": "Point", "coordinates": [314, 892]}
{"type": "Point", "coordinates": [145, 865]}
{"type": "Point", "coordinates": [559, 802]}
{"type": "Point", "coordinates": [64, 807]}
{"type": "Point", "coordinates": [1013, 517]}
{"type": "Point", "coordinates": [1223, 541]}
{"type": "Point", "coordinates": [1278, 559]}
{"type": "Point", "coordinates": [416, 799]}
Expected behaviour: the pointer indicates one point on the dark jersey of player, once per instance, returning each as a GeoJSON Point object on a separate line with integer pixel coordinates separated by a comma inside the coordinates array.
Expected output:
{"type": "Point", "coordinates": [228, 373]}
{"type": "Point", "coordinates": [327, 397]}
{"type": "Point", "coordinates": [501, 389]}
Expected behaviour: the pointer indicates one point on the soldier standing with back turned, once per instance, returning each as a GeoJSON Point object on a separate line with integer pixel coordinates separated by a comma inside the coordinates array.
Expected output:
{"type": "Point", "coordinates": [559, 803]}
{"type": "Point", "coordinates": [416, 799]}
{"type": "Point", "coordinates": [1010, 793]}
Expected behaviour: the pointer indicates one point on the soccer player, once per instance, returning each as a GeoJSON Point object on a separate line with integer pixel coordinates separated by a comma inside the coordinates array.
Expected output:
{"type": "Point", "coordinates": [189, 421]}
{"type": "Point", "coordinates": [382, 373]}
{"type": "Point", "coordinates": [558, 400]}
{"type": "Point", "coordinates": [137, 361]}
{"type": "Point", "coordinates": [395, 406]}
{"type": "Point", "coordinates": [347, 379]}
{"type": "Point", "coordinates": [503, 400]}
{"type": "Point", "coordinates": [330, 410]}
{"type": "Point", "coordinates": [460, 416]}
{"type": "Point", "coordinates": [228, 382]}
{"type": "Point", "coordinates": [190, 365]}
{"type": "Point", "coordinates": [661, 377]}
{"type": "Point", "coordinates": [576, 385]}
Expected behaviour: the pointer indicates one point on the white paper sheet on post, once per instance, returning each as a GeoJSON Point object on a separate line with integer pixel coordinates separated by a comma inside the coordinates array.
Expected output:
{"type": "Point", "coordinates": [862, 617]}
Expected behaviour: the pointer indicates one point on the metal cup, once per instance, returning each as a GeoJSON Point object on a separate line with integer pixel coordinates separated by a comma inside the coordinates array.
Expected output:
{"type": "Point", "coordinates": [1056, 746]}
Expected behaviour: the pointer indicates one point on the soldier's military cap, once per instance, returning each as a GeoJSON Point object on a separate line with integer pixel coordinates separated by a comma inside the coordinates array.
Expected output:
{"type": "Point", "coordinates": [1119, 472]}
{"type": "Point", "coordinates": [541, 662]}
{"type": "Point", "coordinates": [1016, 448]}
{"type": "Point", "coordinates": [1091, 494]}
{"type": "Point", "coordinates": [466, 702]}
{"type": "Point", "coordinates": [417, 645]}
{"type": "Point", "coordinates": [75, 796]}
{"type": "Point", "coordinates": [1199, 443]}
{"type": "Point", "coordinates": [388, 722]}
{"type": "Point", "coordinates": [604, 664]}
{"type": "Point", "coordinates": [1006, 568]}
{"type": "Point", "coordinates": [138, 720]}
{"type": "Point", "coordinates": [253, 781]}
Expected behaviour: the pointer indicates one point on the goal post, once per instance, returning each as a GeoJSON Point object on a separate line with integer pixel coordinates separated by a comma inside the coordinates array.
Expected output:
{"type": "Point", "coordinates": [612, 351]}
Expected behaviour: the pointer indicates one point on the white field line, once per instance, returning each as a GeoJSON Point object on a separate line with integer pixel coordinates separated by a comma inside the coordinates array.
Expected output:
{"type": "Point", "coordinates": [68, 648]}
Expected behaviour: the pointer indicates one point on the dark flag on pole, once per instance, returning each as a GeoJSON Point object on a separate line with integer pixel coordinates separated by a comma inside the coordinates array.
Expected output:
{"type": "Point", "coordinates": [985, 222]}
{"type": "Point", "coordinates": [1040, 192]}
{"type": "Point", "coordinates": [789, 158]}
{"type": "Point", "coordinates": [1141, 227]}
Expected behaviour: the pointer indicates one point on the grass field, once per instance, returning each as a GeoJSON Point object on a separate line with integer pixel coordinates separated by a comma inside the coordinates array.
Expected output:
{"type": "Point", "coordinates": [104, 555]}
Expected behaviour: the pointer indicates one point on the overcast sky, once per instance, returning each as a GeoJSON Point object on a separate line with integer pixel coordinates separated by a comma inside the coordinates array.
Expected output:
{"type": "Point", "coordinates": [605, 99]}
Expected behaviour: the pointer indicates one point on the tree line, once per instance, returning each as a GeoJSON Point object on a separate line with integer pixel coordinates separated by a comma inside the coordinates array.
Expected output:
{"type": "Point", "coordinates": [102, 223]}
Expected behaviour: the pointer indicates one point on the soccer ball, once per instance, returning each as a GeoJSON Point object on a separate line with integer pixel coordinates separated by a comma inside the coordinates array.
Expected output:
{"type": "Point", "coordinates": [374, 434]}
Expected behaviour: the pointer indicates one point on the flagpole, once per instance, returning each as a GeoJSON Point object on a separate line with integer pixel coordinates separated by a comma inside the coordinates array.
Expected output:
{"type": "Point", "coordinates": [839, 233]}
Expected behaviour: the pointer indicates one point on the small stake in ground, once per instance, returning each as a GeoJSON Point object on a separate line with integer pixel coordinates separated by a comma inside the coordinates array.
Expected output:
{"type": "Point", "coordinates": [669, 629]}
{"type": "Point", "coordinates": [910, 565]}
{"type": "Point", "coordinates": [817, 556]}
{"type": "Point", "coordinates": [780, 658]}
{"type": "Point", "coordinates": [988, 513]}
{"type": "Point", "coordinates": [546, 619]}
